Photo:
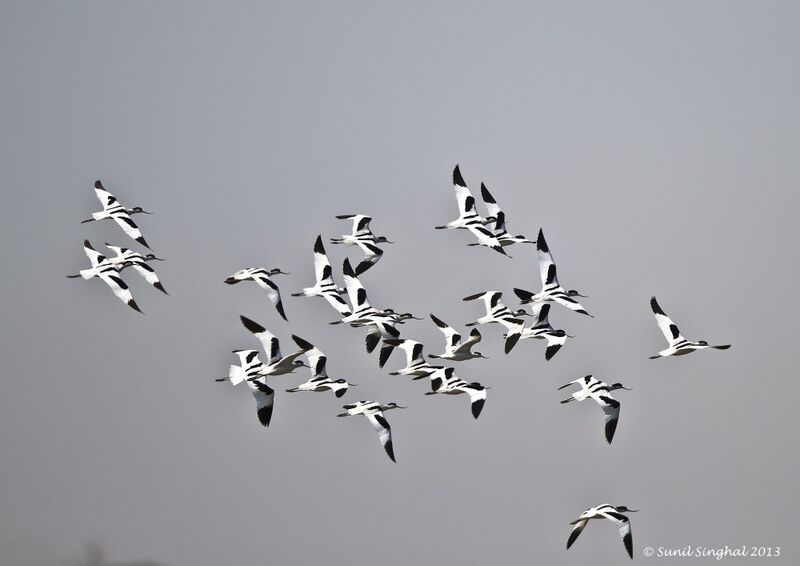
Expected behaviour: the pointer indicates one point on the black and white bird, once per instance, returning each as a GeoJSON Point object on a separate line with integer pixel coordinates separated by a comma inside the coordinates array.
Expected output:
{"type": "Point", "coordinates": [552, 291]}
{"type": "Point", "coordinates": [416, 365]}
{"type": "Point", "coordinates": [113, 209]}
{"type": "Point", "coordinates": [250, 367]}
{"type": "Point", "coordinates": [325, 286]}
{"type": "Point", "coordinates": [468, 217]}
{"type": "Point", "coordinates": [444, 381]}
{"type": "Point", "coordinates": [262, 276]}
{"type": "Point", "coordinates": [319, 381]}
{"type": "Point", "coordinates": [678, 345]}
{"type": "Point", "coordinates": [374, 413]}
{"type": "Point", "coordinates": [613, 514]}
{"type": "Point", "coordinates": [497, 221]}
{"type": "Point", "coordinates": [454, 349]}
{"type": "Point", "coordinates": [496, 311]}
{"type": "Point", "coordinates": [128, 258]}
{"type": "Point", "coordinates": [593, 388]}
{"type": "Point", "coordinates": [251, 372]}
{"type": "Point", "coordinates": [362, 237]}
{"type": "Point", "coordinates": [276, 363]}
{"type": "Point", "coordinates": [540, 329]}
{"type": "Point", "coordinates": [107, 273]}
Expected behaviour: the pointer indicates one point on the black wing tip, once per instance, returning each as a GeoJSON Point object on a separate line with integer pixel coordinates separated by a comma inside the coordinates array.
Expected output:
{"type": "Point", "coordinates": [318, 247]}
{"type": "Point", "coordinates": [477, 407]}
{"type": "Point", "coordinates": [142, 241]}
{"type": "Point", "coordinates": [541, 244]}
{"type": "Point", "coordinates": [340, 392]}
{"type": "Point", "coordinates": [511, 341]}
{"type": "Point", "coordinates": [160, 287]}
{"type": "Point", "coordinates": [347, 269]}
{"type": "Point", "coordinates": [656, 307]}
{"type": "Point", "coordinates": [302, 343]}
{"type": "Point", "coordinates": [611, 427]}
{"type": "Point", "coordinates": [473, 297]}
{"type": "Point", "coordinates": [628, 541]}
{"type": "Point", "coordinates": [437, 321]}
{"type": "Point", "coordinates": [363, 266]}
{"type": "Point", "coordinates": [551, 351]}
{"type": "Point", "coordinates": [279, 308]}
{"type": "Point", "coordinates": [251, 325]}
{"type": "Point", "coordinates": [134, 306]}
{"type": "Point", "coordinates": [265, 416]}
{"type": "Point", "coordinates": [98, 185]}
{"type": "Point", "coordinates": [457, 178]}
{"type": "Point", "coordinates": [522, 294]}
{"type": "Point", "coordinates": [389, 450]}
{"type": "Point", "coordinates": [486, 195]}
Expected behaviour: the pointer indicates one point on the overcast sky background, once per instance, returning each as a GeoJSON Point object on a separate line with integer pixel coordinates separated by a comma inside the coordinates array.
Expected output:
{"type": "Point", "coordinates": [655, 143]}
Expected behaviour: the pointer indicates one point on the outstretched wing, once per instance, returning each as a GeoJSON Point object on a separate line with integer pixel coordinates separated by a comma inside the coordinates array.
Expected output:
{"type": "Point", "coordinates": [547, 267]}
{"type": "Point", "coordinates": [576, 531]}
{"type": "Point", "coordinates": [451, 337]}
{"type": "Point", "coordinates": [129, 226]}
{"type": "Point", "coordinates": [149, 275]}
{"type": "Point", "coordinates": [668, 328]}
{"type": "Point", "coordinates": [610, 408]}
{"type": "Point", "coordinates": [268, 340]}
{"type": "Point", "coordinates": [323, 272]}
{"type": "Point", "coordinates": [94, 256]}
{"type": "Point", "coordinates": [106, 199]}
{"type": "Point", "coordinates": [265, 398]}
{"type": "Point", "coordinates": [119, 287]}
{"type": "Point", "coordinates": [486, 238]}
{"type": "Point", "coordinates": [355, 290]}
{"type": "Point", "coordinates": [316, 359]}
{"type": "Point", "coordinates": [273, 293]}
{"type": "Point", "coordinates": [383, 429]}
{"type": "Point", "coordinates": [624, 525]}
{"type": "Point", "coordinates": [493, 209]}
{"type": "Point", "coordinates": [464, 198]}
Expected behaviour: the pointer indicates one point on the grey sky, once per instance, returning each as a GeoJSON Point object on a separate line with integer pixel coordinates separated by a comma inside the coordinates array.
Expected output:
{"type": "Point", "coordinates": [655, 143]}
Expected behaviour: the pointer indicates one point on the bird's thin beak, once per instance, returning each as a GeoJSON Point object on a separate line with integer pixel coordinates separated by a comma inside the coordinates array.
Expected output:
{"type": "Point", "coordinates": [283, 272]}
{"type": "Point", "coordinates": [570, 336]}
{"type": "Point", "coordinates": [145, 212]}
{"type": "Point", "coordinates": [632, 511]}
{"type": "Point", "coordinates": [159, 259]}
{"type": "Point", "coordinates": [628, 388]}
{"type": "Point", "coordinates": [402, 407]}
{"type": "Point", "coordinates": [388, 242]}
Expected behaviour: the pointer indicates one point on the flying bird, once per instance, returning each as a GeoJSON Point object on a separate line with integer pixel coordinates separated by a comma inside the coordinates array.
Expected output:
{"type": "Point", "coordinates": [374, 413]}
{"type": "Point", "coordinates": [265, 399]}
{"type": "Point", "coordinates": [262, 276]}
{"type": "Point", "coordinates": [319, 381]}
{"type": "Point", "coordinates": [613, 514]}
{"type": "Point", "coordinates": [541, 329]}
{"type": "Point", "coordinates": [497, 220]}
{"type": "Point", "coordinates": [250, 367]}
{"type": "Point", "coordinates": [601, 392]}
{"type": "Point", "coordinates": [108, 274]}
{"type": "Point", "coordinates": [678, 345]}
{"type": "Point", "coordinates": [277, 364]}
{"type": "Point", "coordinates": [325, 286]}
{"type": "Point", "coordinates": [552, 291]}
{"type": "Point", "coordinates": [416, 366]}
{"type": "Point", "coordinates": [128, 258]}
{"type": "Point", "coordinates": [362, 237]}
{"type": "Point", "coordinates": [444, 381]}
{"type": "Point", "coordinates": [468, 217]}
{"type": "Point", "coordinates": [112, 208]}
{"type": "Point", "coordinates": [496, 311]}
{"type": "Point", "coordinates": [456, 350]}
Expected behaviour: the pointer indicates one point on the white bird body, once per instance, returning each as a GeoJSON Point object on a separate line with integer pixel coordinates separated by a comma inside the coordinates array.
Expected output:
{"type": "Point", "coordinates": [320, 381]}
{"type": "Point", "coordinates": [552, 291]}
{"type": "Point", "coordinates": [613, 514]}
{"type": "Point", "coordinates": [540, 329]}
{"type": "Point", "coordinates": [129, 258]}
{"type": "Point", "coordinates": [262, 276]}
{"type": "Point", "coordinates": [444, 381]}
{"type": "Point", "coordinates": [108, 273]}
{"type": "Point", "coordinates": [113, 209]}
{"type": "Point", "coordinates": [324, 286]}
{"type": "Point", "coordinates": [600, 392]}
{"type": "Point", "coordinates": [496, 311]}
{"type": "Point", "coordinates": [250, 367]}
{"type": "Point", "coordinates": [468, 217]}
{"type": "Point", "coordinates": [456, 350]}
{"type": "Point", "coordinates": [678, 345]}
{"type": "Point", "coordinates": [374, 413]}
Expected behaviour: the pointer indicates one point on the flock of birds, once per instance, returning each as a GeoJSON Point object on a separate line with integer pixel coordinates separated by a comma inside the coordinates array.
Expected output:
{"type": "Point", "coordinates": [352, 305]}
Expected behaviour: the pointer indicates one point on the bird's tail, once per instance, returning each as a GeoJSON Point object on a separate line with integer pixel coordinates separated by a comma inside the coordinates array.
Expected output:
{"type": "Point", "coordinates": [236, 374]}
